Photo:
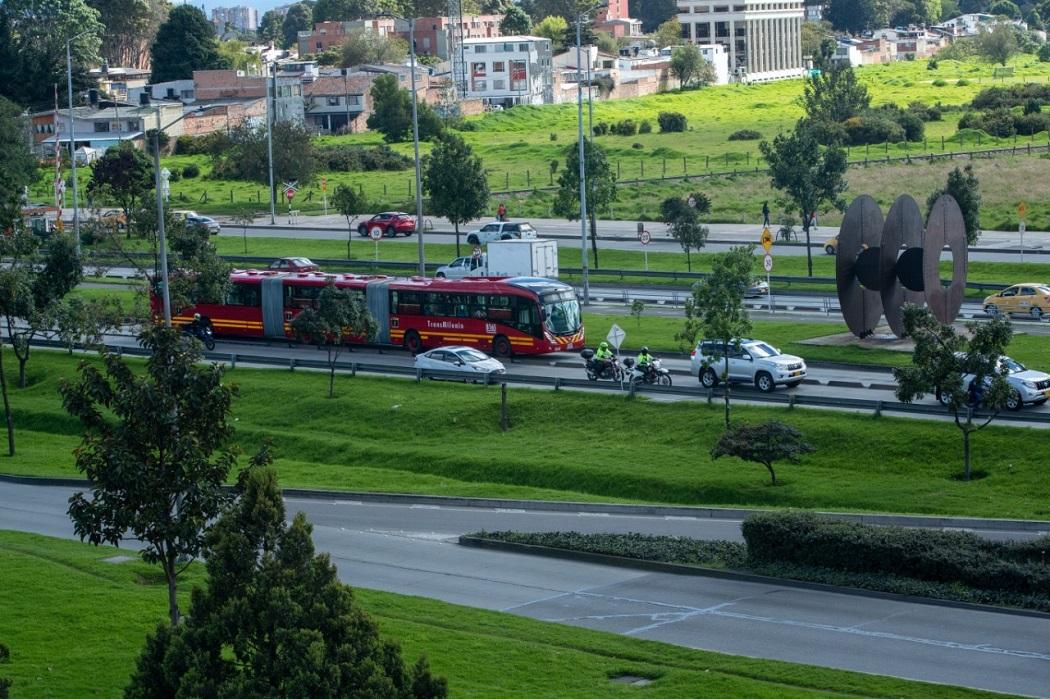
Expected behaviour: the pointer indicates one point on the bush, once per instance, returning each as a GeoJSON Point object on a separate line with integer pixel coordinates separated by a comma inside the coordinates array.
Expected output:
{"type": "Point", "coordinates": [175, 176]}
{"type": "Point", "coordinates": [210, 144]}
{"type": "Point", "coordinates": [626, 127]}
{"type": "Point", "coordinates": [912, 124]}
{"type": "Point", "coordinates": [745, 135]}
{"type": "Point", "coordinates": [971, 120]}
{"type": "Point", "coordinates": [1032, 107]}
{"type": "Point", "coordinates": [645, 127]}
{"type": "Point", "coordinates": [601, 128]}
{"type": "Point", "coordinates": [637, 146]}
{"type": "Point", "coordinates": [962, 82]}
{"type": "Point", "coordinates": [554, 136]}
{"type": "Point", "coordinates": [1044, 53]}
{"type": "Point", "coordinates": [828, 132]}
{"type": "Point", "coordinates": [344, 158]}
{"type": "Point", "coordinates": [1029, 124]}
{"type": "Point", "coordinates": [803, 538]}
{"type": "Point", "coordinates": [999, 122]}
{"type": "Point", "coordinates": [924, 112]}
{"type": "Point", "coordinates": [931, 65]}
{"type": "Point", "coordinates": [671, 122]}
{"type": "Point", "coordinates": [939, 82]}
{"type": "Point", "coordinates": [872, 128]}
{"type": "Point", "coordinates": [191, 171]}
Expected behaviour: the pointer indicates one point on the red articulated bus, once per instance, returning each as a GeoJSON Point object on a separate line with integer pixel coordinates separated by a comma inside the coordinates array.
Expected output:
{"type": "Point", "coordinates": [517, 315]}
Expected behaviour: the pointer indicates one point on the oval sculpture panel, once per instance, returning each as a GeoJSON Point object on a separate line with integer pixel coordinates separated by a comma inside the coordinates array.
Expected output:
{"type": "Point", "coordinates": [945, 227]}
{"type": "Point", "coordinates": [861, 228]}
{"type": "Point", "coordinates": [902, 230]}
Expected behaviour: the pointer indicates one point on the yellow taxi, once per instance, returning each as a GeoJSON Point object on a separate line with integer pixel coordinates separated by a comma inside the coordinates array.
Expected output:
{"type": "Point", "coordinates": [1030, 298]}
{"type": "Point", "coordinates": [831, 245]}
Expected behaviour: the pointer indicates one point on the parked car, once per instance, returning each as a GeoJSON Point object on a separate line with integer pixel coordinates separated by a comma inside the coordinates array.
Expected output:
{"type": "Point", "coordinates": [1027, 386]}
{"type": "Point", "coordinates": [758, 288]}
{"type": "Point", "coordinates": [831, 245]}
{"type": "Point", "coordinates": [471, 363]}
{"type": "Point", "coordinates": [500, 230]}
{"type": "Point", "coordinates": [293, 264]}
{"type": "Point", "coordinates": [393, 223]}
{"type": "Point", "coordinates": [203, 223]}
{"type": "Point", "coordinates": [752, 361]}
{"type": "Point", "coordinates": [1031, 298]}
{"type": "Point", "coordinates": [462, 267]}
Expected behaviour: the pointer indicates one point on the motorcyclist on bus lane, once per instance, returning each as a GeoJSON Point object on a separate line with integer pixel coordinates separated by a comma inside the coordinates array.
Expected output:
{"type": "Point", "coordinates": [200, 328]}
{"type": "Point", "coordinates": [603, 357]}
{"type": "Point", "coordinates": [644, 361]}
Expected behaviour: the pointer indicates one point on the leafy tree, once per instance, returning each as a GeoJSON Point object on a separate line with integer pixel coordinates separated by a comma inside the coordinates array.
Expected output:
{"type": "Point", "coordinates": [554, 28]}
{"type": "Point", "coordinates": [811, 178]}
{"type": "Point", "coordinates": [1034, 21]}
{"type": "Point", "coordinates": [130, 28]}
{"type": "Point", "coordinates": [653, 13]}
{"type": "Point", "coordinates": [339, 10]}
{"type": "Point", "coordinates": [337, 315]}
{"type": "Point", "coordinates": [684, 222]}
{"type": "Point", "coordinates": [943, 356]}
{"type": "Point", "coordinates": [185, 42]}
{"type": "Point", "coordinates": [244, 217]}
{"type": "Point", "coordinates": [601, 187]}
{"type": "Point", "coordinates": [515, 22]}
{"type": "Point", "coordinates": [124, 174]}
{"type": "Point", "coordinates": [246, 155]}
{"type": "Point", "coordinates": [154, 451]}
{"type": "Point", "coordinates": [455, 182]}
{"type": "Point", "coordinates": [835, 95]}
{"type": "Point", "coordinates": [271, 26]}
{"type": "Point", "coordinates": [234, 54]}
{"type": "Point", "coordinates": [392, 112]}
{"type": "Point", "coordinates": [17, 165]}
{"type": "Point", "coordinates": [966, 189]}
{"type": "Point", "coordinates": [716, 311]}
{"type": "Point", "coordinates": [685, 63]}
{"type": "Point", "coordinates": [1005, 8]}
{"type": "Point", "coordinates": [669, 33]}
{"type": "Point", "coordinates": [370, 47]}
{"type": "Point", "coordinates": [298, 18]}
{"type": "Point", "coordinates": [998, 44]}
{"type": "Point", "coordinates": [764, 444]}
{"type": "Point", "coordinates": [5, 684]}
{"type": "Point", "coordinates": [814, 34]}
{"type": "Point", "coordinates": [75, 320]}
{"type": "Point", "coordinates": [350, 204]}
{"type": "Point", "coordinates": [273, 619]}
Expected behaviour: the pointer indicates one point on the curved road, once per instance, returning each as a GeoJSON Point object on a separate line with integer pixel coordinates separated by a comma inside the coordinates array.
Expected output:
{"type": "Point", "coordinates": [411, 549]}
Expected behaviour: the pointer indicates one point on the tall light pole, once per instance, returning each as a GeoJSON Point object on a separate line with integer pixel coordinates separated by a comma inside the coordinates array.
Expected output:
{"type": "Point", "coordinates": [72, 139]}
{"type": "Point", "coordinates": [415, 145]}
{"type": "Point", "coordinates": [583, 167]}
{"type": "Point", "coordinates": [162, 242]}
{"type": "Point", "coordinates": [270, 109]}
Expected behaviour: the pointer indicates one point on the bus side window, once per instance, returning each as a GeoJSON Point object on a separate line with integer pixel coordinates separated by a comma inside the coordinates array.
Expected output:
{"type": "Point", "coordinates": [243, 295]}
{"type": "Point", "coordinates": [499, 309]}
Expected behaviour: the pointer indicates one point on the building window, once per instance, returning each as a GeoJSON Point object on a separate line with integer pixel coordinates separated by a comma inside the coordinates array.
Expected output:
{"type": "Point", "coordinates": [703, 31]}
{"type": "Point", "coordinates": [518, 75]}
{"type": "Point", "coordinates": [721, 30]}
{"type": "Point", "coordinates": [101, 127]}
{"type": "Point", "coordinates": [738, 8]}
{"type": "Point", "coordinates": [480, 85]}
{"type": "Point", "coordinates": [355, 99]}
{"type": "Point", "coordinates": [481, 49]}
{"type": "Point", "coordinates": [499, 67]}
{"type": "Point", "coordinates": [741, 31]}
{"type": "Point", "coordinates": [741, 46]}
{"type": "Point", "coordinates": [508, 48]}
{"type": "Point", "coordinates": [499, 84]}
{"type": "Point", "coordinates": [721, 8]}
{"type": "Point", "coordinates": [523, 47]}
{"type": "Point", "coordinates": [477, 70]}
{"type": "Point", "coordinates": [333, 100]}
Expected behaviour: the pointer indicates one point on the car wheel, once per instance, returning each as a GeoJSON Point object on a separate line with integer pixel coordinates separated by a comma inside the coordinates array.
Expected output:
{"type": "Point", "coordinates": [501, 346]}
{"type": "Point", "coordinates": [362, 230]}
{"type": "Point", "coordinates": [390, 232]}
{"type": "Point", "coordinates": [942, 398]}
{"type": "Point", "coordinates": [708, 378]}
{"type": "Point", "coordinates": [991, 309]}
{"type": "Point", "coordinates": [1036, 312]}
{"type": "Point", "coordinates": [413, 343]}
{"type": "Point", "coordinates": [764, 382]}
{"type": "Point", "coordinates": [1013, 401]}
{"type": "Point", "coordinates": [472, 240]}
{"type": "Point", "coordinates": [829, 250]}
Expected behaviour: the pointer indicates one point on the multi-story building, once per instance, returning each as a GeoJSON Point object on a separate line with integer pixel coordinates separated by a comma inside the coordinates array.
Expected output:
{"type": "Point", "coordinates": [240, 18]}
{"type": "Point", "coordinates": [434, 34]}
{"type": "Point", "coordinates": [509, 70]}
{"type": "Point", "coordinates": [103, 124]}
{"type": "Point", "coordinates": [615, 19]}
{"type": "Point", "coordinates": [340, 103]}
{"type": "Point", "coordinates": [120, 83]}
{"type": "Point", "coordinates": [326, 35]}
{"type": "Point", "coordinates": [763, 39]}
{"type": "Point", "coordinates": [231, 85]}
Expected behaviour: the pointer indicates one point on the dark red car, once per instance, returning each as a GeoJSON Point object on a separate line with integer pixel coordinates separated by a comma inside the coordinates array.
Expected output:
{"type": "Point", "coordinates": [392, 223]}
{"type": "Point", "coordinates": [294, 264]}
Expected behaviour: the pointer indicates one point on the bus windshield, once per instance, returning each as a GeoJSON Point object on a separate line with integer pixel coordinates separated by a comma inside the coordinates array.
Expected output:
{"type": "Point", "coordinates": [562, 312]}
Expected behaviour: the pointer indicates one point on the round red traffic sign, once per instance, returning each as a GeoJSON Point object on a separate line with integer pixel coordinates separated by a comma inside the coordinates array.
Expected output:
{"type": "Point", "coordinates": [767, 263]}
{"type": "Point", "coordinates": [290, 193]}
{"type": "Point", "coordinates": [644, 237]}
{"type": "Point", "coordinates": [375, 233]}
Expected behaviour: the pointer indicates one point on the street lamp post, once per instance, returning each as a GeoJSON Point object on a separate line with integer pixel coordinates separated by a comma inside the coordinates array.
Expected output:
{"type": "Point", "coordinates": [583, 168]}
{"type": "Point", "coordinates": [270, 109]}
{"type": "Point", "coordinates": [415, 145]}
{"type": "Point", "coordinates": [72, 139]}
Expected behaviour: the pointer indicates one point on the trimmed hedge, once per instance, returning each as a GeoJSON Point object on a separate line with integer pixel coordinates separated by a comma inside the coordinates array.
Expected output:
{"type": "Point", "coordinates": [803, 538]}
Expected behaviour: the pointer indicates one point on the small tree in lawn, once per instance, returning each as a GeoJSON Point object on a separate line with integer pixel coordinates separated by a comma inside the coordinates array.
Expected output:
{"type": "Point", "coordinates": [154, 451]}
{"type": "Point", "coordinates": [810, 178]}
{"type": "Point", "coordinates": [245, 217]}
{"type": "Point", "coordinates": [637, 309]}
{"type": "Point", "coordinates": [764, 444]}
{"type": "Point", "coordinates": [683, 219]}
{"type": "Point", "coordinates": [351, 204]}
{"type": "Point", "coordinates": [717, 312]}
{"type": "Point", "coordinates": [123, 174]}
{"type": "Point", "coordinates": [455, 182]}
{"type": "Point", "coordinates": [964, 186]}
{"type": "Point", "coordinates": [273, 619]}
{"type": "Point", "coordinates": [601, 187]}
{"type": "Point", "coordinates": [337, 315]}
{"type": "Point", "coordinates": [943, 356]}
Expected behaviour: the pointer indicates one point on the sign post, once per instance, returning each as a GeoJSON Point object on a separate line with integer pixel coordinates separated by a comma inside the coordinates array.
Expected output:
{"type": "Point", "coordinates": [1022, 209]}
{"type": "Point", "coordinates": [645, 238]}
{"type": "Point", "coordinates": [324, 194]}
{"type": "Point", "coordinates": [767, 262]}
{"type": "Point", "coordinates": [376, 234]}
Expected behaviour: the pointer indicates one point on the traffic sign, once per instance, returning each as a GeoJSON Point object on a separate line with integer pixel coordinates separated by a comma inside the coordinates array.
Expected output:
{"type": "Point", "coordinates": [767, 262]}
{"type": "Point", "coordinates": [616, 336]}
{"type": "Point", "coordinates": [691, 201]}
{"type": "Point", "coordinates": [644, 237]}
{"type": "Point", "coordinates": [1022, 209]}
{"type": "Point", "coordinates": [324, 184]}
{"type": "Point", "coordinates": [289, 193]}
{"type": "Point", "coordinates": [375, 233]}
{"type": "Point", "coordinates": [766, 239]}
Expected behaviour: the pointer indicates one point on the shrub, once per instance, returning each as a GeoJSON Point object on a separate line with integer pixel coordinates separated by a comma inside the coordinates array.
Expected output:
{"type": "Point", "coordinates": [1029, 124]}
{"type": "Point", "coordinates": [344, 158]}
{"type": "Point", "coordinates": [637, 146]}
{"type": "Point", "coordinates": [924, 112]}
{"type": "Point", "coordinates": [554, 136]}
{"type": "Point", "coordinates": [828, 132]}
{"type": "Point", "coordinates": [671, 122]}
{"type": "Point", "coordinates": [601, 128]}
{"type": "Point", "coordinates": [999, 122]}
{"type": "Point", "coordinates": [872, 128]}
{"type": "Point", "coordinates": [803, 538]}
{"type": "Point", "coordinates": [962, 82]}
{"type": "Point", "coordinates": [931, 64]}
{"type": "Point", "coordinates": [626, 127]}
{"type": "Point", "coordinates": [645, 127]}
{"type": "Point", "coordinates": [1032, 107]}
{"type": "Point", "coordinates": [175, 176]}
{"type": "Point", "coordinates": [939, 82]}
{"type": "Point", "coordinates": [191, 171]}
{"type": "Point", "coordinates": [912, 124]}
{"type": "Point", "coordinates": [1044, 53]}
{"type": "Point", "coordinates": [745, 135]}
{"type": "Point", "coordinates": [971, 120]}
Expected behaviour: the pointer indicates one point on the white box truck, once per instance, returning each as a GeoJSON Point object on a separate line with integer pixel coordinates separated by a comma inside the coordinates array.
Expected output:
{"type": "Point", "coordinates": [508, 258]}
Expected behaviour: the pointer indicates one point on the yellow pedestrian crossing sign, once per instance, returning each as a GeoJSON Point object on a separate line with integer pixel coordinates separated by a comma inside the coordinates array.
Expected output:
{"type": "Point", "coordinates": [766, 239]}
{"type": "Point", "coordinates": [1022, 209]}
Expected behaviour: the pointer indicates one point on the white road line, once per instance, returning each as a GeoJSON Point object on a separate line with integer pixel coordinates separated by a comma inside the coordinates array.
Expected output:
{"type": "Point", "coordinates": [425, 507]}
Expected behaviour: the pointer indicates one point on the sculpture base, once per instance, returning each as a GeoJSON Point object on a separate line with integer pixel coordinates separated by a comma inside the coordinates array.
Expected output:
{"type": "Point", "coordinates": [881, 338]}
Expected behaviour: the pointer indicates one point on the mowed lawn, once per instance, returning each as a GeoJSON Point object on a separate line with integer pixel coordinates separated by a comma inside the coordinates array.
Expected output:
{"type": "Point", "coordinates": [75, 625]}
{"type": "Point", "coordinates": [387, 434]}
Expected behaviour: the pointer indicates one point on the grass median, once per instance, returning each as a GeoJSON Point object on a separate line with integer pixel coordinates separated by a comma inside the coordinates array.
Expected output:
{"type": "Point", "coordinates": [387, 434]}
{"type": "Point", "coordinates": [75, 625]}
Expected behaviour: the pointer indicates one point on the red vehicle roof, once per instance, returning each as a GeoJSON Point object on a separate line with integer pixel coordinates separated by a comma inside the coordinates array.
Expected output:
{"type": "Point", "coordinates": [485, 285]}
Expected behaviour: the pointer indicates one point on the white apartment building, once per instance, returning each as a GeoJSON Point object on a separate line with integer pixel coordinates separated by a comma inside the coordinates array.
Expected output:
{"type": "Point", "coordinates": [242, 18]}
{"type": "Point", "coordinates": [763, 39]}
{"type": "Point", "coordinates": [509, 70]}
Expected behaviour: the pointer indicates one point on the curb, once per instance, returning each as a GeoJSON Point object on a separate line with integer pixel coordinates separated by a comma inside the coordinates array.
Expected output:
{"type": "Point", "coordinates": [730, 513]}
{"type": "Point", "coordinates": [698, 571]}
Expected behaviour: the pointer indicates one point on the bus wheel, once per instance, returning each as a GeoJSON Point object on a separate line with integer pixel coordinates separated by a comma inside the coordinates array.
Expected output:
{"type": "Point", "coordinates": [501, 346]}
{"type": "Point", "coordinates": [412, 342]}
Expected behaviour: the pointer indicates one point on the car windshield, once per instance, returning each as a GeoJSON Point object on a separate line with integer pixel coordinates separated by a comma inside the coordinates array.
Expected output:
{"type": "Point", "coordinates": [1012, 367]}
{"type": "Point", "coordinates": [526, 228]}
{"type": "Point", "coordinates": [761, 350]}
{"type": "Point", "coordinates": [471, 356]}
{"type": "Point", "coordinates": [562, 311]}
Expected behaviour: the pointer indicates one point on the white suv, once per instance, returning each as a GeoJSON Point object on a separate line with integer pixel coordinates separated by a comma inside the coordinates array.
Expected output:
{"type": "Point", "coordinates": [1027, 386]}
{"type": "Point", "coordinates": [753, 361]}
{"type": "Point", "coordinates": [500, 230]}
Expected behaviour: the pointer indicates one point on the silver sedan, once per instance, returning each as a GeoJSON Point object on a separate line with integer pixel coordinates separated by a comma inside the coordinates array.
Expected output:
{"type": "Point", "coordinates": [458, 359]}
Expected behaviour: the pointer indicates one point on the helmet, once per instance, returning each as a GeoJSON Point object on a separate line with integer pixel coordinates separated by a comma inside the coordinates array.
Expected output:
{"type": "Point", "coordinates": [604, 345]}
{"type": "Point", "coordinates": [645, 350]}
{"type": "Point", "coordinates": [196, 316]}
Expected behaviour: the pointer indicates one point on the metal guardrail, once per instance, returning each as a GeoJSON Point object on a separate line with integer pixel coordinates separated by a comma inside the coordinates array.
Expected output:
{"type": "Point", "coordinates": [787, 399]}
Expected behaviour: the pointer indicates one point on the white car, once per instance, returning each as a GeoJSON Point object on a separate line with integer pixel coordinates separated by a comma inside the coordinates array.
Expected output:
{"type": "Point", "coordinates": [471, 363]}
{"type": "Point", "coordinates": [752, 361]}
{"type": "Point", "coordinates": [462, 267]}
{"type": "Point", "coordinates": [758, 288]}
{"type": "Point", "coordinates": [1026, 385]}
{"type": "Point", "coordinates": [500, 230]}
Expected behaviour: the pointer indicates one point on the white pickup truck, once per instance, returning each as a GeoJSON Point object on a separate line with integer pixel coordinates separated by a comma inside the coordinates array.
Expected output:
{"type": "Point", "coordinates": [507, 258]}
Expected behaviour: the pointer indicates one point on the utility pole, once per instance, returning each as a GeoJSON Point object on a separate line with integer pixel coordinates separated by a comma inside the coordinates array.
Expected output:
{"type": "Point", "coordinates": [415, 145]}
{"type": "Point", "coordinates": [583, 167]}
{"type": "Point", "coordinates": [72, 139]}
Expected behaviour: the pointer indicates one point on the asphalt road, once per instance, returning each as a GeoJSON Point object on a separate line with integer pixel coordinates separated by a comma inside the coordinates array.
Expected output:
{"type": "Point", "coordinates": [412, 550]}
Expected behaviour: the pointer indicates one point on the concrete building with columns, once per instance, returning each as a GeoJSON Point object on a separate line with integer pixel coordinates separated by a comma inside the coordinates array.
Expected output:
{"type": "Point", "coordinates": [763, 39]}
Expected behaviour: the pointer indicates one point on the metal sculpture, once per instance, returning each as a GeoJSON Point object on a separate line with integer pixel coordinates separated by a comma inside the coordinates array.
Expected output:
{"type": "Point", "coordinates": [884, 264]}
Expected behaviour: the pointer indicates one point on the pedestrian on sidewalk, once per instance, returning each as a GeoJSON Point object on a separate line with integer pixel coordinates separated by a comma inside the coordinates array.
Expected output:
{"type": "Point", "coordinates": [501, 212]}
{"type": "Point", "coordinates": [765, 214]}
{"type": "Point", "coordinates": [813, 223]}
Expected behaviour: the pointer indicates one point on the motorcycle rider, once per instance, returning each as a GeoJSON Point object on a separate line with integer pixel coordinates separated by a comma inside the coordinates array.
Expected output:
{"type": "Point", "coordinates": [198, 325]}
{"type": "Point", "coordinates": [644, 362]}
{"type": "Point", "coordinates": [603, 358]}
